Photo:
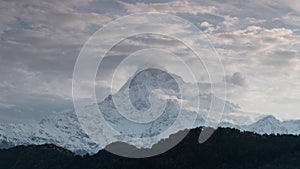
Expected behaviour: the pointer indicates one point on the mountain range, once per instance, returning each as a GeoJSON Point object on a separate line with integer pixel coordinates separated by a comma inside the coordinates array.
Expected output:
{"type": "Point", "coordinates": [226, 149]}
{"type": "Point", "coordinates": [64, 129]}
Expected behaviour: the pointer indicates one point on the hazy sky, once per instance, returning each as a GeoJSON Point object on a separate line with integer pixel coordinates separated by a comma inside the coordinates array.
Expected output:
{"type": "Point", "coordinates": [258, 42]}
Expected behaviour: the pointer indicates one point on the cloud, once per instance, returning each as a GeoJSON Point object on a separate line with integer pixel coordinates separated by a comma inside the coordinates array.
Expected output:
{"type": "Point", "coordinates": [169, 7]}
{"type": "Point", "coordinates": [40, 41]}
{"type": "Point", "coordinates": [282, 58]}
{"type": "Point", "coordinates": [291, 4]}
{"type": "Point", "coordinates": [258, 48]}
{"type": "Point", "coordinates": [237, 79]}
{"type": "Point", "coordinates": [7, 86]}
{"type": "Point", "coordinates": [208, 27]}
{"type": "Point", "coordinates": [6, 106]}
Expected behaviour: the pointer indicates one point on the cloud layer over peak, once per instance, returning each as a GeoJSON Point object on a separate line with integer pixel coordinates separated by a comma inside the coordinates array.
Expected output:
{"type": "Point", "coordinates": [258, 42]}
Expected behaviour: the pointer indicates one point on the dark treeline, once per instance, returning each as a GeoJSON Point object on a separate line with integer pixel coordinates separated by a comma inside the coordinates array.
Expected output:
{"type": "Point", "coordinates": [226, 149]}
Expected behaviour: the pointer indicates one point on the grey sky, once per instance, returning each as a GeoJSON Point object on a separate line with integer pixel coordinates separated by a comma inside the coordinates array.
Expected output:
{"type": "Point", "coordinates": [258, 42]}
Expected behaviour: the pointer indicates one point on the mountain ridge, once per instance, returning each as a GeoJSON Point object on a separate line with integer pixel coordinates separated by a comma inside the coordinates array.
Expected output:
{"type": "Point", "coordinates": [226, 149]}
{"type": "Point", "coordinates": [13, 140]}
{"type": "Point", "coordinates": [65, 130]}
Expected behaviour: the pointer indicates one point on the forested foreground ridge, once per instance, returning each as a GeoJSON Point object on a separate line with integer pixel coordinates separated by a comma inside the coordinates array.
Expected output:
{"type": "Point", "coordinates": [226, 149]}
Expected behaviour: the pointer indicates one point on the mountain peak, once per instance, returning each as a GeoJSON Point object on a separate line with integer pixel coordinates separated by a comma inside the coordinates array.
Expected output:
{"type": "Point", "coordinates": [270, 119]}
{"type": "Point", "coordinates": [267, 125]}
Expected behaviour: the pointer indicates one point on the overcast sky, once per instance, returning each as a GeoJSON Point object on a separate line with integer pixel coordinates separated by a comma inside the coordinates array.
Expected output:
{"type": "Point", "coordinates": [258, 42]}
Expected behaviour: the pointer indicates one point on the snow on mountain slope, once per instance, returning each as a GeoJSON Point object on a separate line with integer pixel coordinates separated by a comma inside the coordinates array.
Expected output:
{"type": "Point", "coordinates": [144, 91]}
{"type": "Point", "coordinates": [63, 128]}
{"type": "Point", "coordinates": [60, 129]}
{"type": "Point", "coordinates": [269, 124]}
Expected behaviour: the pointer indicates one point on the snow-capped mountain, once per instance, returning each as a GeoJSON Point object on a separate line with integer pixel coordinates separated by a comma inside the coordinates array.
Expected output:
{"type": "Point", "coordinates": [60, 129]}
{"type": "Point", "coordinates": [270, 124]}
{"type": "Point", "coordinates": [143, 89]}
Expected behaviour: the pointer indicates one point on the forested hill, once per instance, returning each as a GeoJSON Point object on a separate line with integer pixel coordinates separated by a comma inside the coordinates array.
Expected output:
{"type": "Point", "coordinates": [226, 149]}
